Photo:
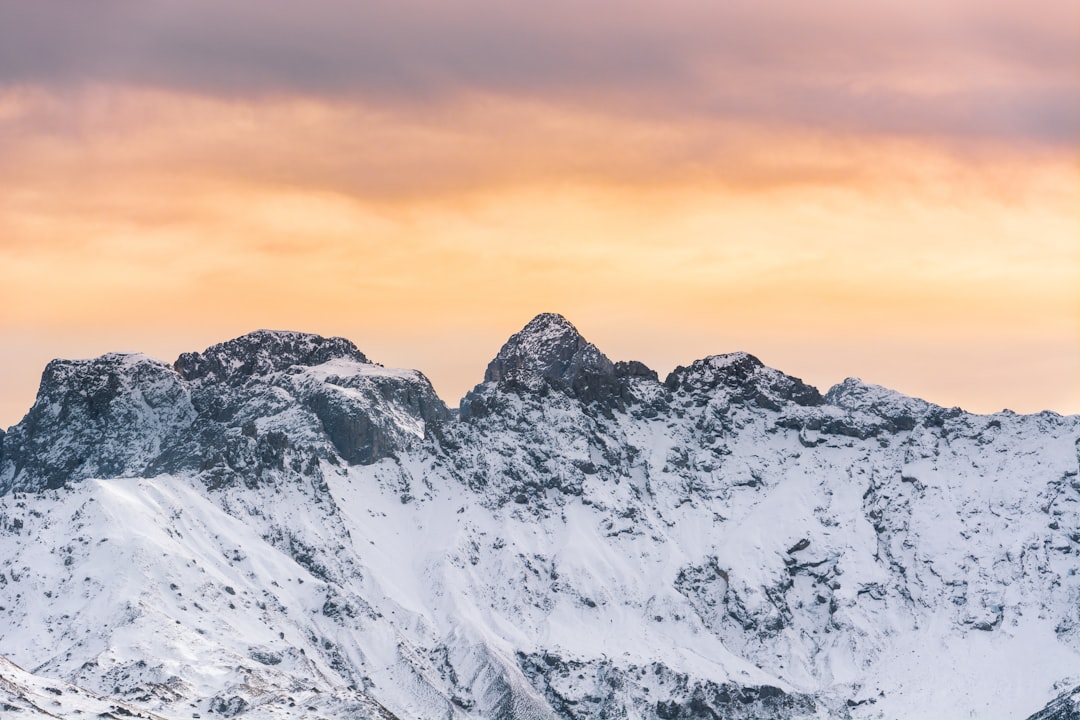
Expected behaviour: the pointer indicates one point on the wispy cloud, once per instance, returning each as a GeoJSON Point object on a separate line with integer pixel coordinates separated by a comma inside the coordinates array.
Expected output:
{"type": "Point", "coordinates": [810, 181]}
{"type": "Point", "coordinates": [963, 68]}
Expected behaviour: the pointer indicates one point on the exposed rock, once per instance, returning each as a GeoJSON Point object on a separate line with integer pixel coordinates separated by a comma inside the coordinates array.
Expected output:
{"type": "Point", "coordinates": [263, 352]}
{"type": "Point", "coordinates": [550, 351]}
{"type": "Point", "coordinates": [635, 369]}
{"type": "Point", "coordinates": [228, 707]}
{"type": "Point", "coordinates": [550, 355]}
{"type": "Point", "coordinates": [548, 346]}
{"type": "Point", "coordinates": [801, 545]}
{"type": "Point", "coordinates": [1065, 706]}
{"type": "Point", "coordinates": [744, 379]}
{"type": "Point", "coordinates": [259, 403]}
{"type": "Point", "coordinates": [361, 414]}
{"type": "Point", "coordinates": [107, 417]}
{"type": "Point", "coordinates": [583, 541]}
{"type": "Point", "coordinates": [898, 411]}
{"type": "Point", "coordinates": [577, 689]}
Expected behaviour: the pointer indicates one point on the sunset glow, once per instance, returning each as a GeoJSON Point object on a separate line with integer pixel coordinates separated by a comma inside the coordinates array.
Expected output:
{"type": "Point", "coordinates": [890, 194]}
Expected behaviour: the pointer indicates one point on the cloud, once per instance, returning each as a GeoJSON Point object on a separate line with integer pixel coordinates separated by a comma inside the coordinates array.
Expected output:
{"type": "Point", "coordinates": [85, 147]}
{"type": "Point", "coordinates": [728, 174]}
{"type": "Point", "coordinates": [963, 68]}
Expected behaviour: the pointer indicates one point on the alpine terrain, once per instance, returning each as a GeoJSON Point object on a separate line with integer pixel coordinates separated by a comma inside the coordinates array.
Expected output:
{"type": "Point", "coordinates": [277, 527]}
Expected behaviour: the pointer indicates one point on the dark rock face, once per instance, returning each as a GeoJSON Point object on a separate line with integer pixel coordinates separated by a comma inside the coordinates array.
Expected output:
{"type": "Point", "coordinates": [227, 707]}
{"type": "Point", "coordinates": [550, 355]}
{"type": "Point", "coordinates": [95, 418]}
{"type": "Point", "coordinates": [321, 398]}
{"type": "Point", "coordinates": [729, 508]}
{"type": "Point", "coordinates": [549, 347]}
{"type": "Point", "coordinates": [897, 411]}
{"type": "Point", "coordinates": [267, 401]}
{"type": "Point", "coordinates": [359, 436]}
{"type": "Point", "coordinates": [678, 697]}
{"type": "Point", "coordinates": [550, 351]}
{"type": "Point", "coordinates": [635, 369]}
{"type": "Point", "coordinates": [1065, 706]}
{"type": "Point", "coordinates": [746, 379]}
{"type": "Point", "coordinates": [859, 410]}
{"type": "Point", "coordinates": [551, 390]}
{"type": "Point", "coordinates": [263, 352]}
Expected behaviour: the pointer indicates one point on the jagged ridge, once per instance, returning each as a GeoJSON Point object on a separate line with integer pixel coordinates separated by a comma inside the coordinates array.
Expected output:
{"type": "Point", "coordinates": [582, 540]}
{"type": "Point", "coordinates": [236, 410]}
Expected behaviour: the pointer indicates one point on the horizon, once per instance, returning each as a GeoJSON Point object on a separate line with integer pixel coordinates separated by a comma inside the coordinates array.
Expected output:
{"type": "Point", "coordinates": [887, 192]}
{"type": "Point", "coordinates": [457, 390]}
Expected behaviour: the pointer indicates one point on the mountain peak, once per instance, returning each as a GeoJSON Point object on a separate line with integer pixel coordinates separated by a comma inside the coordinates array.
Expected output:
{"type": "Point", "coordinates": [103, 417]}
{"type": "Point", "coordinates": [901, 411]}
{"type": "Point", "coordinates": [743, 377]}
{"type": "Point", "coordinates": [549, 346]}
{"type": "Point", "coordinates": [263, 352]}
{"type": "Point", "coordinates": [745, 538]}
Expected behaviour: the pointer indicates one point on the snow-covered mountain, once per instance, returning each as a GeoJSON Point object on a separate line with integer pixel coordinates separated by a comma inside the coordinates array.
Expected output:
{"type": "Point", "coordinates": [279, 528]}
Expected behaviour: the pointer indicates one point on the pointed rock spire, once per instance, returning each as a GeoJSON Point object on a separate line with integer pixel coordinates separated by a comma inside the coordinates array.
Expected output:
{"type": "Point", "coordinates": [549, 347]}
{"type": "Point", "coordinates": [550, 354]}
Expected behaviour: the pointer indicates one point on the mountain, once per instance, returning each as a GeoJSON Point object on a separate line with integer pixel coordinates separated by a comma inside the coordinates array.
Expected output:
{"type": "Point", "coordinates": [278, 527]}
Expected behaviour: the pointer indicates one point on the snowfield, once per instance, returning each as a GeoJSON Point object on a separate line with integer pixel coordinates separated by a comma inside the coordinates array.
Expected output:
{"type": "Point", "coordinates": [288, 530]}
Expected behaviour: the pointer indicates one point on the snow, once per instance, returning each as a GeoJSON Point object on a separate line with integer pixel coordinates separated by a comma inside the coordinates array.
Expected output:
{"type": "Point", "coordinates": [558, 553]}
{"type": "Point", "coordinates": [347, 367]}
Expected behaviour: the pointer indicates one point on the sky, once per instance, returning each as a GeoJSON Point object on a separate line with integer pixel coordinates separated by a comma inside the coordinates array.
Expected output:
{"type": "Point", "coordinates": [885, 190]}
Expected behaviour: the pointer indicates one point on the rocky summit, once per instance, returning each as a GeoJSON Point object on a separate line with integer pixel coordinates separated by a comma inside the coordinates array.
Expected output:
{"type": "Point", "coordinates": [278, 527]}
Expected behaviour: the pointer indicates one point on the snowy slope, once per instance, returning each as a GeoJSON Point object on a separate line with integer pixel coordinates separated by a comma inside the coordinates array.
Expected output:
{"type": "Point", "coordinates": [24, 695]}
{"type": "Point", "coordinates": [289, 530]}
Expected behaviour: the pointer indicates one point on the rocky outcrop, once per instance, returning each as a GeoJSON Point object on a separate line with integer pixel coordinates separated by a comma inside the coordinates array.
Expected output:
{"type": "Point", "coordinates": [581, 541]}
{"type": "Point", "coordinates": [107, 417]}
{"type": "Point", "coordinates": [898, 412]}
{"type": "Point", "coordinates": [602, 690]}
{"type": "Point", "coordinates": [743, 379]}
{"type": "Point", "coordinates": [267, 401]}
{"type": "Point", "coordinates": [550, 354]}
{"type": "Point", "coordinates": [1065, 706]}
{"type": "Point", "coordinates": [370, 415]}
{"type": "Point", "coordinates": [548, 347]}
{"type": "Point", "coordinates": [264, 352]}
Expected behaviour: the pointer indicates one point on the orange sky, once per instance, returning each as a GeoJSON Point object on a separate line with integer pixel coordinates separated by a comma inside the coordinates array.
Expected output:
{"type": "Point", "coordinates": [892, 195]}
